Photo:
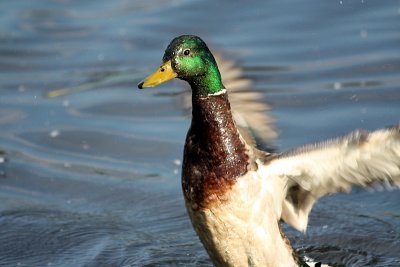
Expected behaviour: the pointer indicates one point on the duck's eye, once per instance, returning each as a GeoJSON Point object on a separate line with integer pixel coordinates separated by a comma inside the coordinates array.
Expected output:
{"type": "Point", "coordinates": [186, 52]}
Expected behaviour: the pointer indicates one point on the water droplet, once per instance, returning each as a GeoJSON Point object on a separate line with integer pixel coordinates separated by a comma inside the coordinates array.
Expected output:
{"type": "Point", "coordinates": [54, 133]}
{"type": "Point", "coordinates": [67, 165]}
{"type": "Point", "coordinates": [354, 97]}
{"type": "Point", "coordinates": [85, 146]}
{"type": "Point", "coordinates": [337, 86]}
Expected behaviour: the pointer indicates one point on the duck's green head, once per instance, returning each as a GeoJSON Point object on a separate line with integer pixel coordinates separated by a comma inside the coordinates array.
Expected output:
{"type": "Point", "coordinates": [188, 58]}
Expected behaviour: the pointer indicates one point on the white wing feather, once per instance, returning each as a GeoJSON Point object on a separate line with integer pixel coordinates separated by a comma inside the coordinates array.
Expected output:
{"type": "Point", "coordinates": [310, 172]}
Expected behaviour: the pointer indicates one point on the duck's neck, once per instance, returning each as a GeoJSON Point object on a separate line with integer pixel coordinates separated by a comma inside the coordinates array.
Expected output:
{"type": "Point", "coordinates": [207, 84]}
{"type": "Point", "coordinates": [213, 124]}
{"type": "Point", "coordinates": [215, 154]}
{"type": "Point", "coordinates": [208, 81]}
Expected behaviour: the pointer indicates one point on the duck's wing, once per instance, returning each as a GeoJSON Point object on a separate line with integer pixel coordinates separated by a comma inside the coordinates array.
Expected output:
{"type": "Point", "coordinates": [249, 111]}
{"type": "Point", "coordinates": [310, 172]}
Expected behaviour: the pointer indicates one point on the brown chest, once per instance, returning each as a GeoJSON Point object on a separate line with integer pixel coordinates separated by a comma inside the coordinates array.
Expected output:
{"type": "Point", "coordinates": [215, 154]}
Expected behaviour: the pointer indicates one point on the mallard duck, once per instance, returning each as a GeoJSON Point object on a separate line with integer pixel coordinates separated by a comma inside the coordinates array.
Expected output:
{"type": "Point", "coordinates": [236, 194]}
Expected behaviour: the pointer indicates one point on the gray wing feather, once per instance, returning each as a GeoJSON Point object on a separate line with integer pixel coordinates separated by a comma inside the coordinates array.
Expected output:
{"type": "Point", "coordinates": [358, 159]}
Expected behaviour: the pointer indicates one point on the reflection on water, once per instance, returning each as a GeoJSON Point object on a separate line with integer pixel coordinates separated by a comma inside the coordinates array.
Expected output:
{"type": "Point", "coordinates": [91, 177]}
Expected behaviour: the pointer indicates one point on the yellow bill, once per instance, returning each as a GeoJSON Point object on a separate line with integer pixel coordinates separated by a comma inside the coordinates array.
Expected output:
{"type": "Point", "coordinates": [163, 74]}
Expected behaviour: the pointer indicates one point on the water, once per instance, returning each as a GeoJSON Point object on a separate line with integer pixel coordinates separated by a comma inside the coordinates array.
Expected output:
{"type": "Point", "coordinates": [92, 177]}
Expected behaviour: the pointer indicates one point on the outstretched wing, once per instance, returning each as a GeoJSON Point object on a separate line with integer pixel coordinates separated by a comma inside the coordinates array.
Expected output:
{"type": "Point", "coordinates": [358, 159]}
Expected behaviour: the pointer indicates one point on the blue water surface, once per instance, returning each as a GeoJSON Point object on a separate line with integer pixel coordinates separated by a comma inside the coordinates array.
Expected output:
{"type": "Point", "coordinates": [91, 176]}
